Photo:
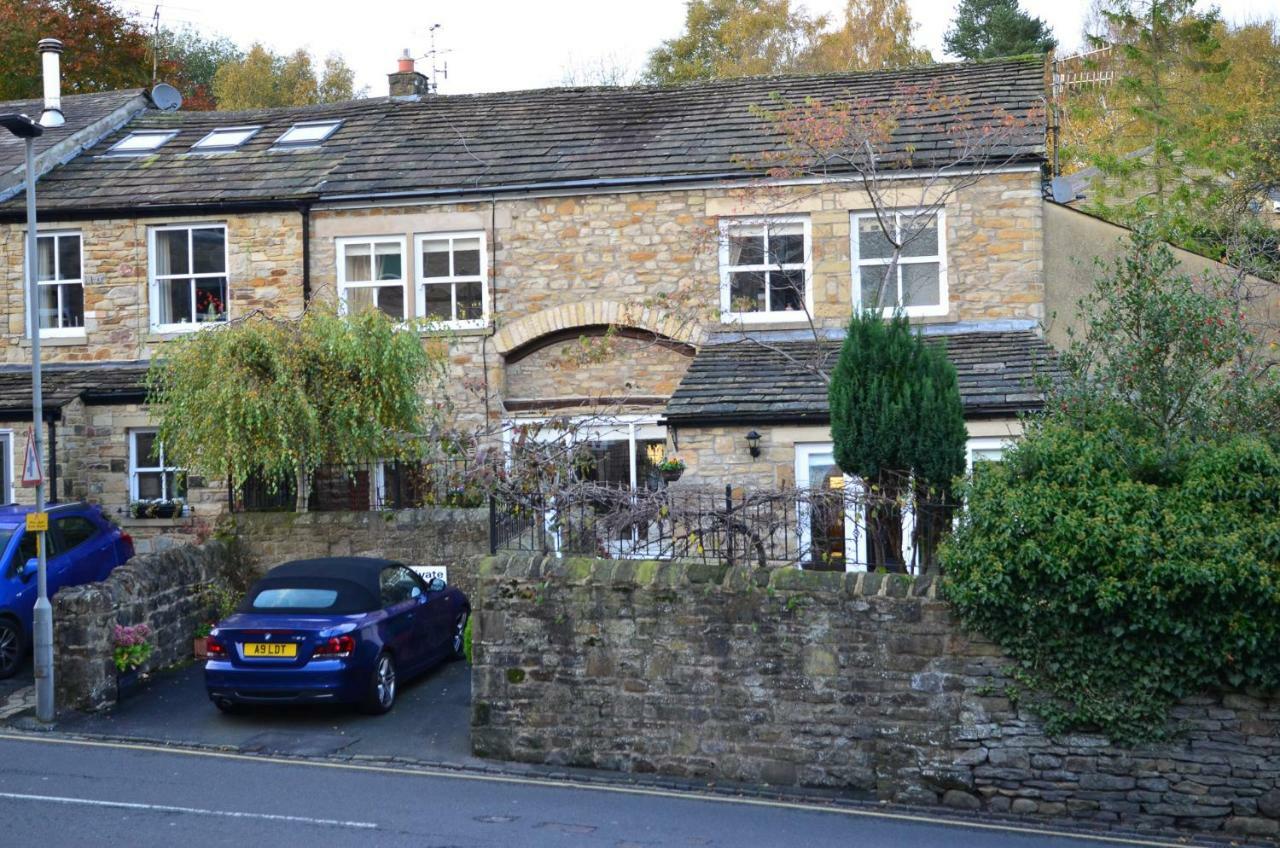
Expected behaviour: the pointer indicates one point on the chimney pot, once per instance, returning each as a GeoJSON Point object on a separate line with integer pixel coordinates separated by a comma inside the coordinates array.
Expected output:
{"type": "Point", "coordinates": [50, 60]}
{"type": "Point", "coordinates": [407, 83]}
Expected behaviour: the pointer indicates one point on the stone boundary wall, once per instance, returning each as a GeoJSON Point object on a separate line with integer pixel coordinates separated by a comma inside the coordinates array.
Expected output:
{"type": "Point", "coordinates": [857, 682]}
{"type": "Point", "coordinates": [455, 538]}
{"type": "Point", "coordinates": [161, 590]}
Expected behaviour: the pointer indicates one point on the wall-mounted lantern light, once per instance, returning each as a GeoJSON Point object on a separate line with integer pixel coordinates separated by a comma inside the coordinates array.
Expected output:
{"type": "Point", "coordinates": [753, 443]}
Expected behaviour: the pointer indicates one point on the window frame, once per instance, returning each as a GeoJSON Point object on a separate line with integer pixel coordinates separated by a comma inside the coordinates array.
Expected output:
{"type": "Point", "coordinates": [165, 137]}
{"type": "Point", "coordinates": [983, 444]}
{"type": "Point", "coordinates": [340, 246]}
{"type": "Point", "coordinates": [8, 465]}
{"type": "Point", "coordinates": [55, 332]}
{"type": "Point", "coordinates": [153, 281]}
{"type": "Point", "coordinates": [857, 263]}
{"type": "Point", "coordinates": [206, 145]}
{"type": "Point", "coordinates": [282, 140]}
{"type": "Point", "coordinates": [421, 281]}
{"type": "Point", "coordinates": [726, 228]}
{"type": "Point", "coordinates": [161, 469]}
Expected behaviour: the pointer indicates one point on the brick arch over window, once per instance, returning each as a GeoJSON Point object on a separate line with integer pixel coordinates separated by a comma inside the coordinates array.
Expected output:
{"type": "Point", "coordinates": [593, 313]}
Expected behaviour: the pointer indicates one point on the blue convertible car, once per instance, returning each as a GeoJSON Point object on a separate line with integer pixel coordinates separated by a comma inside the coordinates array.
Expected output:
{"type": "Point", "coordinates": [340, 630]}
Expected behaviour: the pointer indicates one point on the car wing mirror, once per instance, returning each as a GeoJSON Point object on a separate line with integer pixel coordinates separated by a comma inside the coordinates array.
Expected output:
{"type": "Point", "coordinates": [436, 584]}
{"type": "Point", "coordinates": [31, 569]}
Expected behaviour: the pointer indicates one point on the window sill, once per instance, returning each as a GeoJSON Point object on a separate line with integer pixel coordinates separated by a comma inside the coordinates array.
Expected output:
{"type": "Point", "coordinates": [774, 320]}
{"type": "Point", "coordinates": [462, 331]}
{"type": "Point", "coordinates": [58, 341]}
{"type": "Point", "coordinates": [126, 521]}
{"type": "Point", "coordinates": [173, 331]}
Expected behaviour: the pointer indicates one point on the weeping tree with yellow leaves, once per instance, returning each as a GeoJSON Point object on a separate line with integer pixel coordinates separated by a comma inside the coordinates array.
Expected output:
{"type": "Point", "coordinates": [281, 397]}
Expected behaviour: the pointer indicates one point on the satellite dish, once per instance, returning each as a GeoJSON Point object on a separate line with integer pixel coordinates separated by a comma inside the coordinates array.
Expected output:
{"type": "Point", "coordinates": [166, 97]}
{"type": "Point", "coordinates": [1063, 191]}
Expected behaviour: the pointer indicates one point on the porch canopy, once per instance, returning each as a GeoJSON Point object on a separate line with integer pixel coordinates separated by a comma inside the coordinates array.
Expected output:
{"type": "Point", "coordinates": [774, 376]}
{"type": "Point", "coordinates": [96, 383]}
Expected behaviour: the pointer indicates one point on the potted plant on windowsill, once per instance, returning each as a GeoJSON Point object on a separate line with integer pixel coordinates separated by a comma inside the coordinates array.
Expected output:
{"type": "Point", "coordinates": [157, 508]}
{"type": "Point", "coordinates": [132, 648]}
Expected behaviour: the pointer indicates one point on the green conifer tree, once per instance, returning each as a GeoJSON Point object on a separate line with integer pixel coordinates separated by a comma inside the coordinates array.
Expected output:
{"type": "Point", "coordinates": [897, 421]}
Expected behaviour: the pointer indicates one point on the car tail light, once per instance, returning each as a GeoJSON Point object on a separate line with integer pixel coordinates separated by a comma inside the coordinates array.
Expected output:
{"type": "Point", "coordinates": [127, 539]}
{"type": "Point", "coordinates": [215, 648]}
{"type": "Point", "coordinates": [337, 646]}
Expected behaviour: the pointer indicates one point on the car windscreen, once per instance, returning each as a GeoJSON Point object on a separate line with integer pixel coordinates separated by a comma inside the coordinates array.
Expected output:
{"type": "Point", "coordinates": [320, 595]}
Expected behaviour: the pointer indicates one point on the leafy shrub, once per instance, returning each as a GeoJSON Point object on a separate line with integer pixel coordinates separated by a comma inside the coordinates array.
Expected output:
{"type": "Point", "coordinates": [466, 638]}
{"type": "Point", "coordinates": [1121, 573]}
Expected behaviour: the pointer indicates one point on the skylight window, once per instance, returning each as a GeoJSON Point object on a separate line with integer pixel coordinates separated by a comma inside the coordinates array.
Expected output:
{"type": "Point", "coordinates": [226, 138]}
{"type": "Point", "coordinates": [142, 142]}
{"type": "Point", "coordinates": [311, 132]}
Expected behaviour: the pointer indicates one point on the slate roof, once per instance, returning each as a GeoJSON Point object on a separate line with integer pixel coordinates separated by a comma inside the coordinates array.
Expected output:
{"type": "Point", "coordinates": [443, 145]}
{"type": "Point", "coordinates": [747, 381]}
{"type": "Point", "coordinates": [83, 113]}
{"type": "Point", "coordinates": [61, 384]}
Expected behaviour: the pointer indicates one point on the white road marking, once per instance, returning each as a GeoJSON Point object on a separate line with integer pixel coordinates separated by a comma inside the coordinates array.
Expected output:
{"type": "Point", "coordinates": [412, 771]}
{"type": "Point", "coordinates": [194, 811]}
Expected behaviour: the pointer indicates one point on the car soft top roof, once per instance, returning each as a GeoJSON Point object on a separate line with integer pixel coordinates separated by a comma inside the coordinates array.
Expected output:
{"type": "Point", "coordinates": [362, 572]}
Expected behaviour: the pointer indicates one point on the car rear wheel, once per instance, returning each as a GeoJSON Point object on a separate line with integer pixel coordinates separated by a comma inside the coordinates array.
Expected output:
{"type": "Point", "coordinates": [460, 636]}
{"type": "Point", "coordinates": [382, 686]}
{"type": "Point", "coordinates": [12, 648]}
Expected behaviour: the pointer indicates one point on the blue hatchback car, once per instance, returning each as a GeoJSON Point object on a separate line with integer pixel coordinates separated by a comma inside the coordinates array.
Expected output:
{"type": "Point", "coordinates": [84, 546]}
{"type": "Point", "coordinates": [338, 630]}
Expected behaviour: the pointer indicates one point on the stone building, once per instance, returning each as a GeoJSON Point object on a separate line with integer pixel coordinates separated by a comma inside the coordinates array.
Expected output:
{"type": "Point", "coordinates": [595, 253]}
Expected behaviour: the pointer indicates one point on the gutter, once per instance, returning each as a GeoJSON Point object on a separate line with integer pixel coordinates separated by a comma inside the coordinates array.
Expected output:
{"type": "Point", "coordinates": [305, 211]}
{"type": "Point", "coordinates": [87, 213]}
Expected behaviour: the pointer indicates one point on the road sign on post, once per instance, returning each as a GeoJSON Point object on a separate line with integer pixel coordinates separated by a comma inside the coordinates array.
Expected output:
{"type": "Point", "coordinates": [32, 474]}
{"type": "Point", "coordinates": [37, 522]}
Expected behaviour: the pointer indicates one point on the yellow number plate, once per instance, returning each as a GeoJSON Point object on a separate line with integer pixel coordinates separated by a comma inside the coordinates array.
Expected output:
{"type": "Point", "coordinates": [270, 649]}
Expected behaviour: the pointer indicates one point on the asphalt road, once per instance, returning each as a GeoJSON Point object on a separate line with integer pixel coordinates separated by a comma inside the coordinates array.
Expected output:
{"type": "Point", "coordinates": [66, 794]}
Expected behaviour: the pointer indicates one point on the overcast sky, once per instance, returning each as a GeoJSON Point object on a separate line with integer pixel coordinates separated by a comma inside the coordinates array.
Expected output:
{"type": "Point", "coordinates": [496, 45]}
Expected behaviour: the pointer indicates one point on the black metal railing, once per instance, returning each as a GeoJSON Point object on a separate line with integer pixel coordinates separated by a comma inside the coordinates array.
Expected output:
{"type": "Point", "coordinates": [368, 486]}
{"type": "Point", "coordinates": [829, 529]}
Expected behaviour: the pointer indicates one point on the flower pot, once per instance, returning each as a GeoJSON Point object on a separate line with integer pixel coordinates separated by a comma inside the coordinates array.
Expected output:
{"type": "Point", "coordinates": [200, 647]}
{"type": "Point", "coordinates": [127, 684]}
{"type": "Point", "coordinates": [672, 475]}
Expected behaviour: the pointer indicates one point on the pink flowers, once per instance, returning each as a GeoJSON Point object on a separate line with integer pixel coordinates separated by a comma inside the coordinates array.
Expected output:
{"type": "Point", "coordinates": [131, 636]}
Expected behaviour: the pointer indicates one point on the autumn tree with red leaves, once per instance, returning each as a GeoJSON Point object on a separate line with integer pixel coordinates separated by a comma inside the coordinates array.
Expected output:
{"type": "Point", "coordinates": [105, 49]}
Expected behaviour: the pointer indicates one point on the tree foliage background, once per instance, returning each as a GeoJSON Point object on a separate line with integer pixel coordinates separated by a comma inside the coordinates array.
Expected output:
{"type": "Point", "coordinates": [734, 38]}
{"type": "Point", "coordinates": [987, 29]}
{"type": "Point", "coordinates": [105, 49]}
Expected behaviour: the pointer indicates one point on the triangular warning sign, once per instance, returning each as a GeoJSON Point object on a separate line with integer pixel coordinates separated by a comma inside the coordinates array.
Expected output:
{"type": "Point", "coordinates": [31, 472]}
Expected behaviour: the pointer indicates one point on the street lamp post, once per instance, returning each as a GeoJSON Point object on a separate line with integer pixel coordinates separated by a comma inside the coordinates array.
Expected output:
{"type": "Point", "coordinates": [28, 130]}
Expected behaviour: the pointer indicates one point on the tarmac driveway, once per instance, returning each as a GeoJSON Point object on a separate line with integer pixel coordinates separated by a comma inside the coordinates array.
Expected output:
{"type": "Point", "coordinates": [431, 720]}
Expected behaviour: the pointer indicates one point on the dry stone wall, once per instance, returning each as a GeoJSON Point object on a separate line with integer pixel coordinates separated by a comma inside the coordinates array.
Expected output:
{"type": "Point", "coordinates": [856, 682]}
{"type": "Point", "coordinates": [161, 590]}
{"type": "Point", "coordinates": [454, 538]}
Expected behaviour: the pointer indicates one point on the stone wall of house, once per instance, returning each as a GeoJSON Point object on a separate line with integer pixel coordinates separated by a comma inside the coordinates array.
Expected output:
{"type": "Point", "coordinates": [264, 253]}
{"type": "Point", "coordinates": [856, 682]}
{"type": "Point", "coordinates": [161, 590]}
{"type": "Point", "coordinates": [454, 538]}
{"type": "Point", "coordinates": [598, 367]}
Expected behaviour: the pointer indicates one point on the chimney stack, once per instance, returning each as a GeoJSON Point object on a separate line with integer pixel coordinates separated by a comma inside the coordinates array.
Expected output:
{"type": "Point", "coordinates": [406, 83]}
{"type": "Point", "coordinates": [50, 60]}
